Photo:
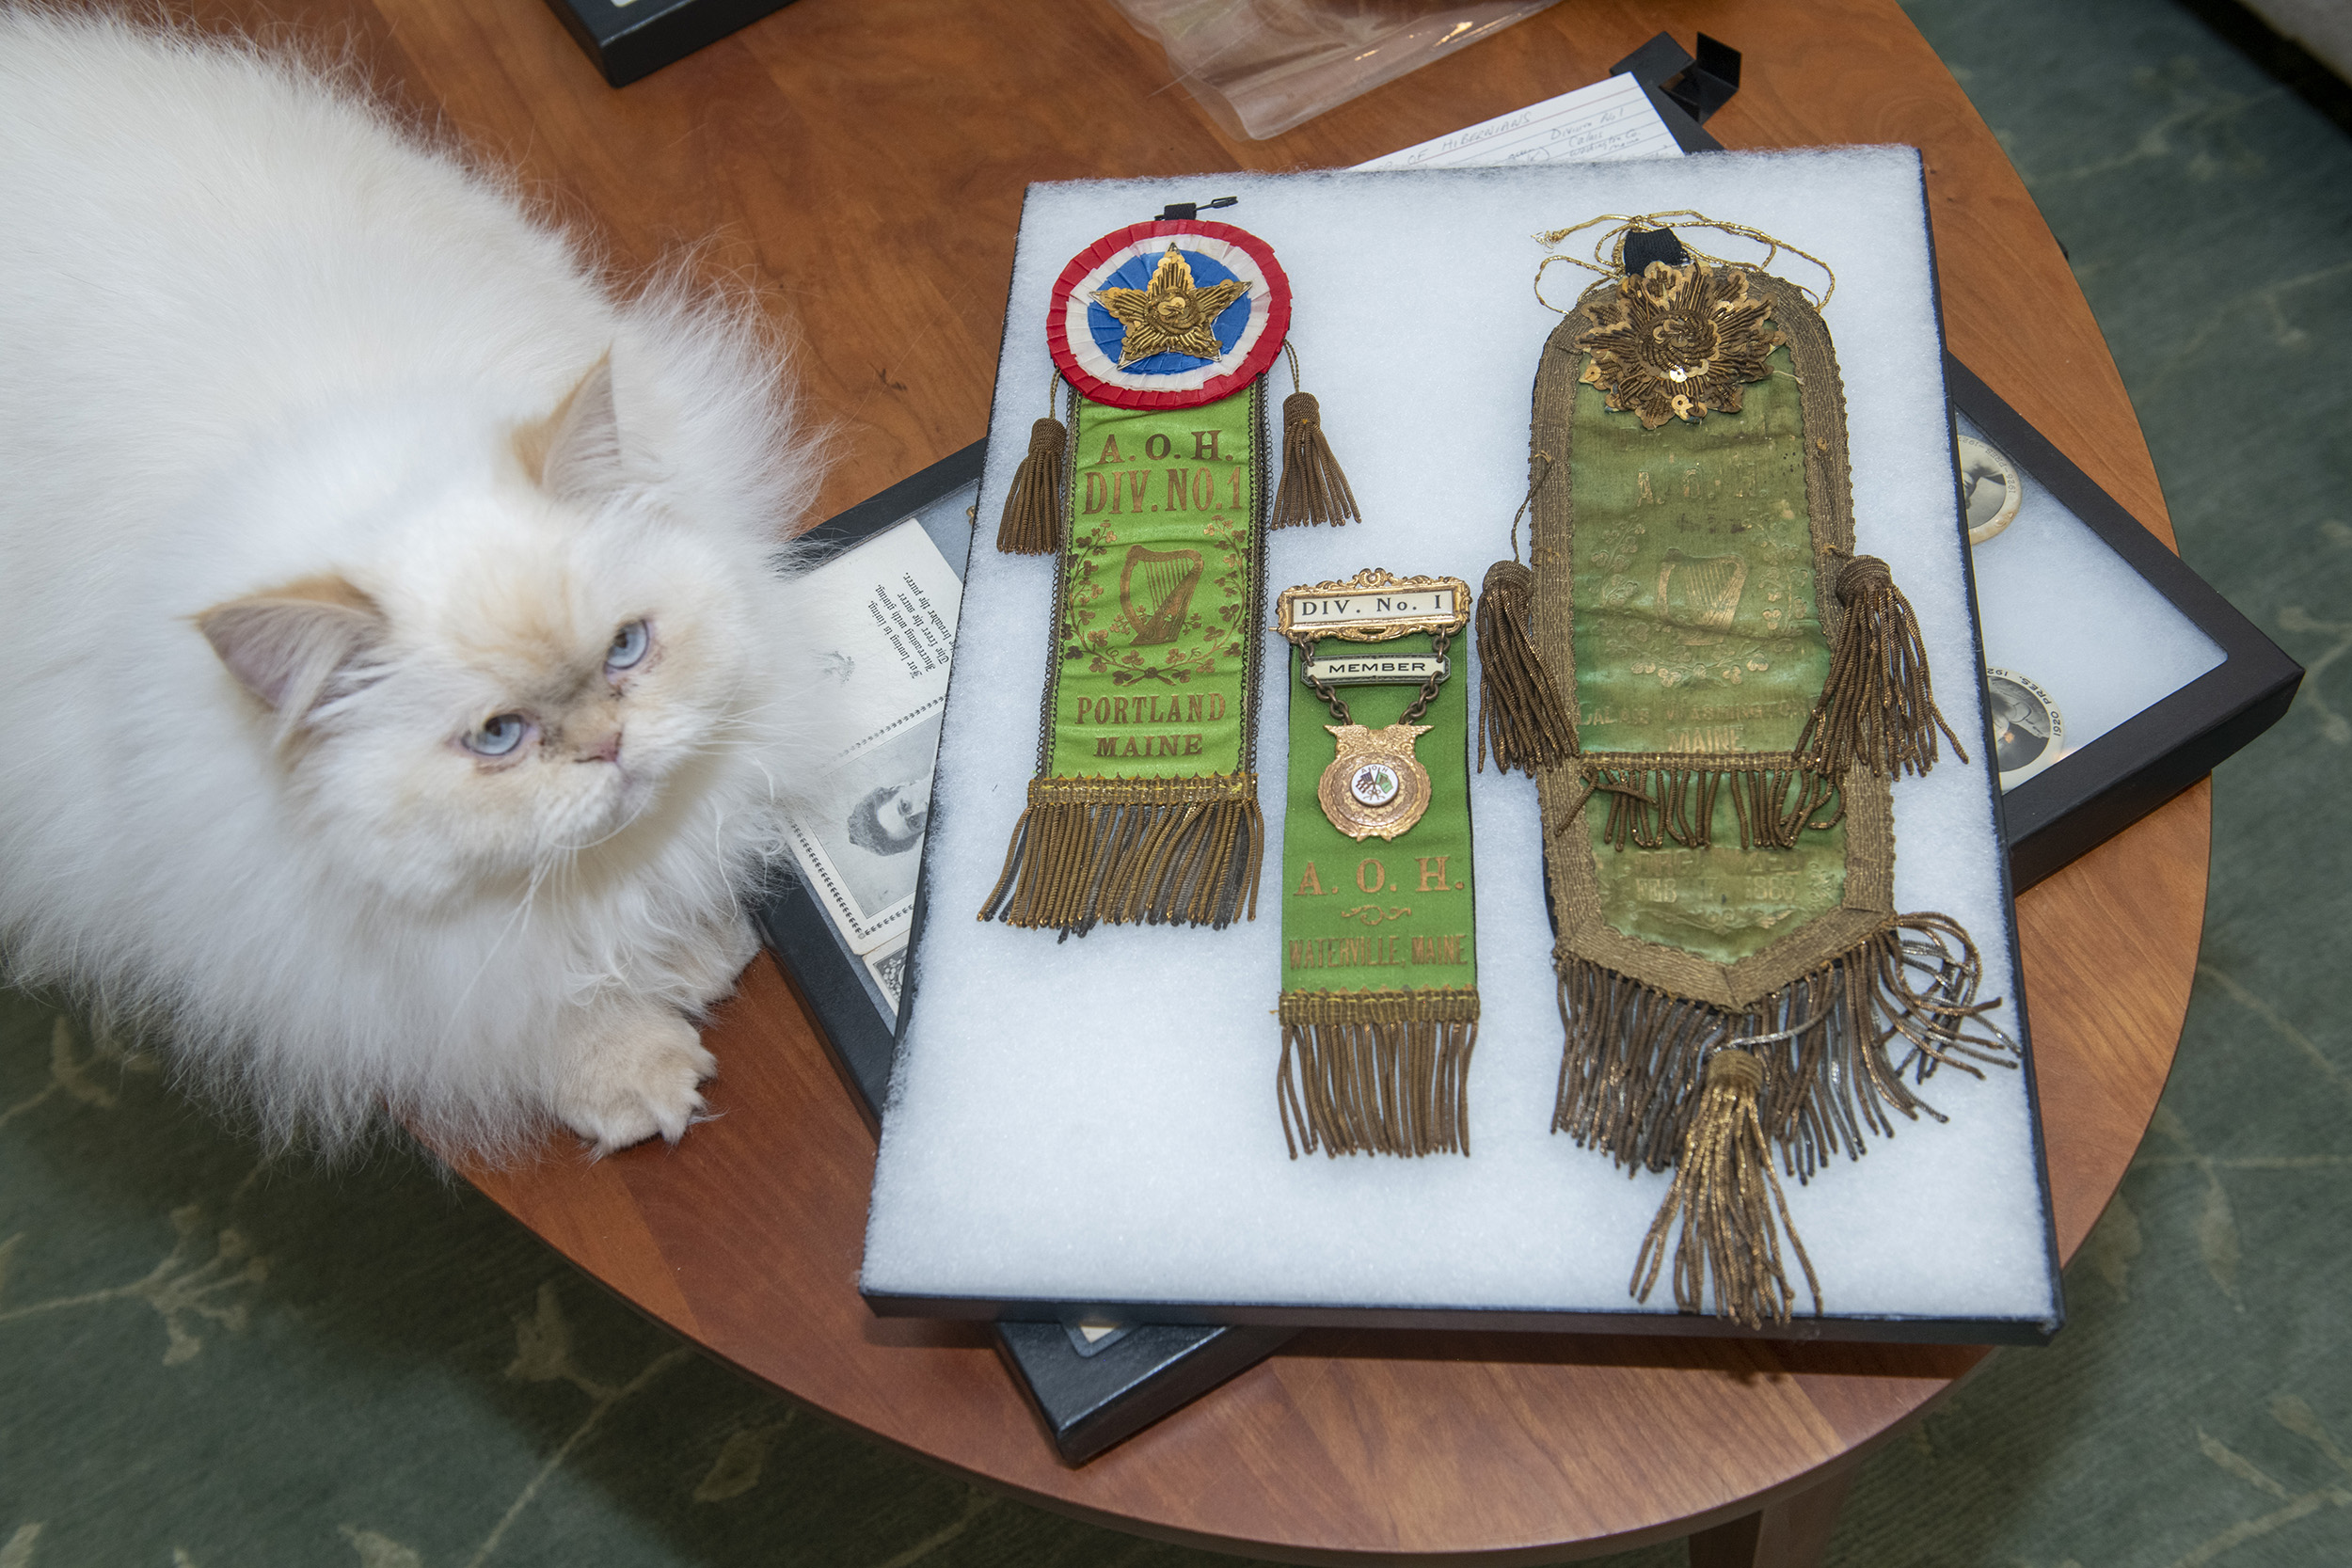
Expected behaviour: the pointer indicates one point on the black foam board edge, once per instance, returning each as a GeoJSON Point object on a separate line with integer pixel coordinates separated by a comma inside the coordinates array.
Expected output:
{"type": "Point", "coordinates": [1287, 1319]}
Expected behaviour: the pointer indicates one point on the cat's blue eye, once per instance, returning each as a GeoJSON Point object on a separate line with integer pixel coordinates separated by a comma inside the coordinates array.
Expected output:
{"type": "Point", "coordinates": [499, 735]}
{"type": "Point", "coordinates": [629, 646]}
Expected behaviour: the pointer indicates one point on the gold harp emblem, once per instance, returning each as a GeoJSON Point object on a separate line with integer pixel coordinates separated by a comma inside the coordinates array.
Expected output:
{"type": "Point", "coordinates": [1701, 593]}
{"type": "Point", "coordinates": [1167, 579]}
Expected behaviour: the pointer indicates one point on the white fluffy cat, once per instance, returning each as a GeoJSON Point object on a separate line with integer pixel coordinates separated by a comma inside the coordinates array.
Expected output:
{"type": "Point", "coordinates": [399, 686]}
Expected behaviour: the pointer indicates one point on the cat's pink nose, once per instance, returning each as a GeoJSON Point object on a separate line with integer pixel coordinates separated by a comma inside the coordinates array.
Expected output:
{"type": "Point", "coordinates": [607, 750]}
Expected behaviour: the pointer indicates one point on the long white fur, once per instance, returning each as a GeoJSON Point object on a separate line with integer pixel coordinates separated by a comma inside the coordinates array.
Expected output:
{"type": "Point", "coordinates": [252, 334]}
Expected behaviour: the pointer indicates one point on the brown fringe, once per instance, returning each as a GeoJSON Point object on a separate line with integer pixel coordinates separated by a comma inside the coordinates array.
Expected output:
{"type": "Point", "coordinates": [1313, 489]}
{"type": "Point", "coordinates": [1133, 851]}
{"type": "Point", "coordinates": [1654, 798]}
{"type": "Point", "coordinates": [1732, 1208]}
{"type": "Point", "coordinates": [1376, 1071]}
{"type": "Point", "coordinates": [1032, 521]}
{"type": "Point", "coordinates": [1878, 707]}
{"type": "Point", "coordinates": [1519, 706]}
{"type": "Point", "coordinates": [1629, 1078]}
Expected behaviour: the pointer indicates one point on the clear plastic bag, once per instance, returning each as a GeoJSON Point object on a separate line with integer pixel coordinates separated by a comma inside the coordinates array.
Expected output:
{"type": "Point", "coordinates": [1261, 67]}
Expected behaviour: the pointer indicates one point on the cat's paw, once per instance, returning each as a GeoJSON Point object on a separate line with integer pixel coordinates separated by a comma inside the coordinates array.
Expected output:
{"type": "Point", "coordinates": [636, 1078]}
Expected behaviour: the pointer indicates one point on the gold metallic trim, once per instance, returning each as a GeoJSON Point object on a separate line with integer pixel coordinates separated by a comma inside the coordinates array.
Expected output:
{"type": "Point", "coordinates": [1564, 787]}
{"type": "Point", "coordinates": [1202, 790]}
{"type": "Point", "coordinates": [1444, 608]}
{"type": "Point", "coordinates": [1436, 1005]}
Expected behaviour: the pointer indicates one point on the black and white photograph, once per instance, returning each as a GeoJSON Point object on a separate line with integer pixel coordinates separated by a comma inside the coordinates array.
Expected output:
{"type": "Point", "coordinates": [2028, 733]}
{"type": "Point", "coordinates": [887, 966]}
{"type": "Point", "coordinates": [862, 843]}
{"type": "Point", "coordinates": [1990, 488]}
{"type": "Point", "coordinates": [859, 846]}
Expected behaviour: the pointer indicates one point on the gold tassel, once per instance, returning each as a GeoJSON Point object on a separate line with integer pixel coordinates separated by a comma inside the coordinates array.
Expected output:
{"type": "Point", "coordinates": [1032, 521]}
{"type": "Point", "coordinates": [1732, 1208]}
{"type": "Point", "coordinates": [1631, 1079]}
{"type": "Point", "coordinates": [1519, 706]}
{"type": "Point", "coordinates": [1313, 489]}
{"type": "Point", "coordinates": [1878, 707]}
{"type": "Point", "coordinates": [1630, 1049]}
{"type": "Point", "coordinates": [1652, 804]}
{"type": "Point", "coordinates": [1376, 1071]}
{"type": "Point", "coordinates": [1133, 851]}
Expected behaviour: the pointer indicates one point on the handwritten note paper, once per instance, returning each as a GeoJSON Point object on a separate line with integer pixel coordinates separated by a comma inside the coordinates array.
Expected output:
{"type": "Point", "coordinates": [1606, 122]}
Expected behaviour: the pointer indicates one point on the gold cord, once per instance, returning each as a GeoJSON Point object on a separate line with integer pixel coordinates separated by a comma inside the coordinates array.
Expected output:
{"type": "Point", "coordinates": [1534, 486]}
{"type": "Point", "coordinates": [1681, 217]}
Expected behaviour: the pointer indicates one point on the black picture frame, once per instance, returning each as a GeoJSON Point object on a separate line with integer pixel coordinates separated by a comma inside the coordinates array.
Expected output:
{"type": "Point", "coordinates": [2087, 798]}
{"type": "Point", "coordinates": [860, 1040]}
{"type": "Point", "coordinates": [1089, 1396]}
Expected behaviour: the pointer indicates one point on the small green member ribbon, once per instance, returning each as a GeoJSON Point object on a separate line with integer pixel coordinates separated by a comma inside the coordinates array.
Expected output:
{"type": "Point", "coordinates": [1145, 805]}
{"type": "Point", "coordinates": [1379, 1002]}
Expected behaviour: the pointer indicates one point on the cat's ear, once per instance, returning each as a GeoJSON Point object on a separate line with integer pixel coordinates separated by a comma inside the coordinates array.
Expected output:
{"type": "Point", "coordinates": [575, 453]}
{"type": "Point", "coordinates": [286, 644]}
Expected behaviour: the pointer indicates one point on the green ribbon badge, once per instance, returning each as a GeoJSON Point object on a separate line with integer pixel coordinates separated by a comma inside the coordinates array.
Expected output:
{"type": "Point", "coordinates": [1379, 1005]}
{"type": "Point", "coordinates": [1155, 504]}
{"type": "Point", "coordinates": [1145, 806]}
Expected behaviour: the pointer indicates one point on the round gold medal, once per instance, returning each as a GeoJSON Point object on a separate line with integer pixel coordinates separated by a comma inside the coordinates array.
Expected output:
{"type": "Point", "coordinates": [1376, 788]}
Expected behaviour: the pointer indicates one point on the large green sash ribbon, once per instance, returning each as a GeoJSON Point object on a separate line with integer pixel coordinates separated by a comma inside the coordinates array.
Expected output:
{"type": "Point", "coordinates": [1719, 832]}
{"type": "Point", "coordinates": [1698, 657]}
{"type": "Point", "coordinates": [1145, 805]}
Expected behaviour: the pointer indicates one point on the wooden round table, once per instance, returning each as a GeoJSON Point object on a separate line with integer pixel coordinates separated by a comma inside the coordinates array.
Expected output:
{"type": "Point", "coordinates": [862, 161]}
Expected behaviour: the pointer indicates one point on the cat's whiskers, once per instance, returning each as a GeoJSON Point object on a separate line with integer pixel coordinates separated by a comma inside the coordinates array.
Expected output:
{"type": "Point", "coordinates": [739, 721]}
{"type": "Point", "coordinates": [576, 850]}
{"type": "Point", "coordinates": [520, 919]}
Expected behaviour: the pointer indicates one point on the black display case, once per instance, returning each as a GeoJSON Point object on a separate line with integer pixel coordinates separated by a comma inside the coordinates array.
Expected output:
{"type": "Point", "coordinates": [2095, 622]}
{"type": "Point", "coordinates": [1094, 1385]}
{"type": "Point", "coordinates": [628, 38]}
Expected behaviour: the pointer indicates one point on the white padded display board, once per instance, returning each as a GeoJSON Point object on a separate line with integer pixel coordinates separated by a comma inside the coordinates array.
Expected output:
{"type": "Point", "coordinates": [1093, 1123]}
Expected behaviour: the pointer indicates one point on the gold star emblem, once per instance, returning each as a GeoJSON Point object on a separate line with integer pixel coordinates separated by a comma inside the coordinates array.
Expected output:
{"type": "Point", "coordinates": [1171, 316]}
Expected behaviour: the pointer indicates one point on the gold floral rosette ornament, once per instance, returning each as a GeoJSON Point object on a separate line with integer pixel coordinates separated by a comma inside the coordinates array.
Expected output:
{"type": "Point", "coordinates": [1715, 695]}
{"type": "Point", "coordinates": [1678, 343]}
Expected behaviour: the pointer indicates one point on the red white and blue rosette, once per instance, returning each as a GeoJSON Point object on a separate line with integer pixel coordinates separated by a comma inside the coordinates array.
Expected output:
{"type": "Point", "coordinates": [1086, 339]}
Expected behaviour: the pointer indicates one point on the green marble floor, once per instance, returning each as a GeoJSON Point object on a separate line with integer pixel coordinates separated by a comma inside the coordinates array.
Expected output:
{"type": "Point", "coordinates": [207, 1362]}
